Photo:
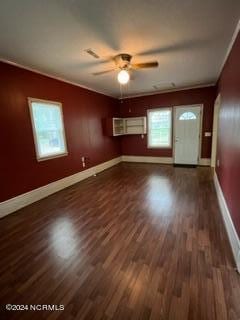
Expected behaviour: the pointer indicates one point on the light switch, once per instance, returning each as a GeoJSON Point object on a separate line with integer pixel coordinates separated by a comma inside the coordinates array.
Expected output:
{"type": "Point", "coordinates": [207, 134]}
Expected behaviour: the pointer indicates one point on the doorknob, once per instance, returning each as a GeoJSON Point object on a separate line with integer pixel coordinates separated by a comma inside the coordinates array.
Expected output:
{"type": "Point", "coordinates": [176, 139]}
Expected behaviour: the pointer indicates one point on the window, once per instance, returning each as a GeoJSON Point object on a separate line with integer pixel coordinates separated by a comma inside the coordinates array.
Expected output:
{"type": "Point", "coordinates": [187, 116]}
{"type": "Point", "coordinates": [48, 128]}
{"type": "Point", "coordinates": [159, 128]}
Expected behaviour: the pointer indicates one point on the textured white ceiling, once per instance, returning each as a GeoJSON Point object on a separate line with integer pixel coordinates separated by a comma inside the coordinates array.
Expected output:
{"type": "Point", "coordinates": [189, 38]}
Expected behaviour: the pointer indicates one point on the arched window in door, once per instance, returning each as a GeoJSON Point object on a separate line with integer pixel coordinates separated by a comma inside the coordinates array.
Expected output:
{"type": "Point", "coordinates": [188, 116]}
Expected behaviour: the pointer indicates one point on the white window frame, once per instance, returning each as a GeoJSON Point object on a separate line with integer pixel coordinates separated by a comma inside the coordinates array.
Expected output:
{"type": "Point", "coordinates": [57, 155]}
{"type": "Point", "coordinates": [148, 128]}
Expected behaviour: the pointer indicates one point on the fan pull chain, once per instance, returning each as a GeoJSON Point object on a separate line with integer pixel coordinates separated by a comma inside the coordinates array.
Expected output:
{"type": "Point", "coordinates": [121, 94]}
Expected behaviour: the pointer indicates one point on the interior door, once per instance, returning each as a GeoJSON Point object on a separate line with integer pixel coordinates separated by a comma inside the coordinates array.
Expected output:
{"type": "Point", "coordinates": [187, 132]}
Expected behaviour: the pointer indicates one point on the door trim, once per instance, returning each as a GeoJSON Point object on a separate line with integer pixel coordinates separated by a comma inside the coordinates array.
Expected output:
{"type": "Point", "coordinates": [217, 105]}
{"type": "Point", "coordinates": [200, 128]}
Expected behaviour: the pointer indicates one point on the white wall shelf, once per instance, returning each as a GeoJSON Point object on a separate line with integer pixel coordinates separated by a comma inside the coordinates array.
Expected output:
{"type": "Point", "coordinates": [126, 126]}
{"type": "Point", "coordinates": [118, 126]}
{"type": "Point", "coordinates": [135, 125]}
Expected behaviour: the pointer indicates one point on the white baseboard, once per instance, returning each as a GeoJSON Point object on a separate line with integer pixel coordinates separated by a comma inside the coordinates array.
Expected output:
{"type": "Point", "coordinates": [205, 162]}
{"type": "Point", "coordinates": [163, 160]}
{"type": "Point", "coordinates": [231, 231]}
{"type": "Point", "coordinates": [27, 198]}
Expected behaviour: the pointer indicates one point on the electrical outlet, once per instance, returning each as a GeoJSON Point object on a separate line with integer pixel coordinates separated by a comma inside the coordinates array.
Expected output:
{"type": "Point", "coordinates": [83, 159]}
{"type": "Point", "coordinates": [83, 164]}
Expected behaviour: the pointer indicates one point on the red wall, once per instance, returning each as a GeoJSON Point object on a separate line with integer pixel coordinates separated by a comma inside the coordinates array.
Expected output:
{"type": "Point", "coordinates": [228, 150]}
{"type": "Point", "coordinates": [134, 145]}
{"type": "Point", "coordinates": [83, 112]}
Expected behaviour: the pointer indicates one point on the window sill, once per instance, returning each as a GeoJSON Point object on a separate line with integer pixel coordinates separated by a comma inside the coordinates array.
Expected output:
{"type": "Point", "coordinates": [52, 157]}
{"type": "Point", "coordinates": [167, 147]}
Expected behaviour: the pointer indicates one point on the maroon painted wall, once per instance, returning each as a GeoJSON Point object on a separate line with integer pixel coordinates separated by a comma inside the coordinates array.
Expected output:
{"type": "Point", "coordinates": [83, 112]}
{"type": "Point", "coordinates": [228, 149]}
{"type": "Point", "coordinates": [134, 145]}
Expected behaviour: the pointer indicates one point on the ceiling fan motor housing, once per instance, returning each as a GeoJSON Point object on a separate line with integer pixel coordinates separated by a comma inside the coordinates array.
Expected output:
{"type": "Point", "coordinates": [123, 60]}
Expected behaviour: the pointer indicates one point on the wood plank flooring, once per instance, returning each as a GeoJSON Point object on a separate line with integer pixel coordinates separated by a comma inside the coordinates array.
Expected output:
{"type": "Point", "coordinates": [139, 241]}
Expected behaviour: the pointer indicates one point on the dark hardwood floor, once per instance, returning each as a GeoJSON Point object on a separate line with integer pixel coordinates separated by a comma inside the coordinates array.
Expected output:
{"type": "Point", "coordinates": [139, 241]}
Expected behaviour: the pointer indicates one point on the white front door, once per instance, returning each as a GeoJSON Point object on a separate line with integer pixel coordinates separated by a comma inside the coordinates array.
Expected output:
{"type": "Point", "coordinates": [187, 131]}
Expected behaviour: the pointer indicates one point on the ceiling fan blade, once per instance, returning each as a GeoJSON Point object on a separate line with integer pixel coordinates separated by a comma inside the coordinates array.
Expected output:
{"type": "Point", "coordinates": [152, 64]}
{"type": "Point", "coordinates": [103, 72]}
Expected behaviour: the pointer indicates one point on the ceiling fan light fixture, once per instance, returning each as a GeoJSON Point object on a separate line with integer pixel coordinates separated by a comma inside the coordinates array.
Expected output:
{"type": "Point", "coordinates": [123, 76]}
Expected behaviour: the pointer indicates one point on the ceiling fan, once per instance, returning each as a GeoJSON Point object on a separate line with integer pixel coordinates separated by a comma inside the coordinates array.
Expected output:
{"type": "Point", "coordinates": [124, 65]}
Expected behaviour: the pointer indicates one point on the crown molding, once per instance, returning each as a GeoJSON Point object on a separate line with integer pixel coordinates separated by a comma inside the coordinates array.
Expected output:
{"type": "Point", "coordinates": [18, 65]}
{"type": "Point", "coordinates": [212, 84]}
{"type": "Point", "coordinates": [234, 37]}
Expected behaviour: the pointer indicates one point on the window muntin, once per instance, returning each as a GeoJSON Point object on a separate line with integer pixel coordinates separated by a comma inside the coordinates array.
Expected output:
{"type": "Point", "coordinates": [187, 116]}
{"type": "Point", "coordinates": [48, 129]}
{"type": "Point", "coordinates": [160, 128]}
